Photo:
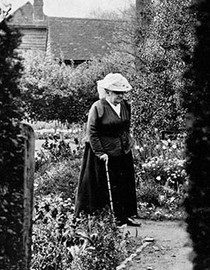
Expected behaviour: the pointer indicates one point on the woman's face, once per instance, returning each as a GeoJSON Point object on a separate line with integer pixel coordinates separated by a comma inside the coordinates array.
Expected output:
{"type": "Point", "coordinates": [115, 97]}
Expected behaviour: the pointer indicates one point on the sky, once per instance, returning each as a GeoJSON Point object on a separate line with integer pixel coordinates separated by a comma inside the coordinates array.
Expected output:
{"type": "Point", "coordinates": [75, 8]}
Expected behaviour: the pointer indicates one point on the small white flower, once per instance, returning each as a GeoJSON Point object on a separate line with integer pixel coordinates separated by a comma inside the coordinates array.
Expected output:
{"type": "Point", "coordinates": [161, 198]}
{"type": "Point", "coordinates": [158, 178]}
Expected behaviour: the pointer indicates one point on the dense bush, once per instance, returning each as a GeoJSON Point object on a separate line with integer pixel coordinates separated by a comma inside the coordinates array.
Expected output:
{"type": "Point", "coordinates": [11, 151]}
{"type": "Point", "coordinates": [158, 84]}
{"type": "Point", "coordinates": [197, 101]}
{"type": "Point", "coordinates": [53, 91]}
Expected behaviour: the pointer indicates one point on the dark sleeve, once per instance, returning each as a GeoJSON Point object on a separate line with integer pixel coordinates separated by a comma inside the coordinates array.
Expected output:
{"type": "Point", "coordinates": [93, 131]}
{"type": "Point", "coordinates": [128, 106]}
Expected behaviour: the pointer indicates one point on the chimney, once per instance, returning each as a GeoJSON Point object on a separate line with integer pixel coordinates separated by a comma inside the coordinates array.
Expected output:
{"type": "Point", "coordinates": [38, 10]}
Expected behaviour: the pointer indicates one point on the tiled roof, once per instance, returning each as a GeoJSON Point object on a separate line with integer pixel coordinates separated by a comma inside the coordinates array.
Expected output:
{"type": "Point", "coordinates": [79, 39]}
{"type": "Point", "coordinates": [67, 38]}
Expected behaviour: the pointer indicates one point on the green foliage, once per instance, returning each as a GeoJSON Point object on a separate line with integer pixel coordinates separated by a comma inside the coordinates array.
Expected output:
{"type": "Point", "coordinates": [159, 82]}
{"type": "Point", "coordinates": [11, 151]}
{"type": "Point", "coordinates": [197, 102]}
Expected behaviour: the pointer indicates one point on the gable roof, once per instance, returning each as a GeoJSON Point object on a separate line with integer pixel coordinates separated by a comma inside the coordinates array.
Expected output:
{"type": "Point", "coordinates": [34, 32]}
{"type": "Point", "coordinates": [75, 39]}
{"type": "Point", "coordinates": [80, 39]}
{"type": "Point", "coordinates": [24, 16]}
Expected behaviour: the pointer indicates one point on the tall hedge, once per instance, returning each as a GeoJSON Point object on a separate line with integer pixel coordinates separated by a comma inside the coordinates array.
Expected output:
{"type": "Point", "coordinates": [11, 151]}
{"type": "Point", "coordinates": [159, 82]}
{"type": "Point", "coordinates": [197, 102]}
{"type": "Point", "coordinates": [53, 91]}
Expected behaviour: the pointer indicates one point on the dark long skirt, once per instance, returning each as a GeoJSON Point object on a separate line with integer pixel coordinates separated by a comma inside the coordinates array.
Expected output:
{"type": "Point", "coordinates": [92, 192]}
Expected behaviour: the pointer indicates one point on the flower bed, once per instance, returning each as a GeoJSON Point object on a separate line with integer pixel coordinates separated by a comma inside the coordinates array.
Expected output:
{"type": "Point", "coordinates": [162, 180]}
{"type": "Point", "coordinates": [95, 242]}
{"type": "Point", "coordinates": [91, 243]}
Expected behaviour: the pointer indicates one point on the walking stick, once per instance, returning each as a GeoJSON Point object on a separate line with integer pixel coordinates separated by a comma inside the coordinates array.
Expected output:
{"type": "Point", "coordinates": [109, 188]}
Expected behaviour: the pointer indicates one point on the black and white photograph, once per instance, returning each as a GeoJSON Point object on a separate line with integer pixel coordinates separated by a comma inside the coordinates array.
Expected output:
{"type": "Point", "coordinates": [104, 134]}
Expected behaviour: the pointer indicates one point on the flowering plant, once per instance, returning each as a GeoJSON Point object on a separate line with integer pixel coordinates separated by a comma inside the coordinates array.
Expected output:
{"type": "Point", "coordinates": [92, 242]}
{"type": "Point", "coordinates": [162, 160]}
{"type": "Point", "coordinates": [169, 172]}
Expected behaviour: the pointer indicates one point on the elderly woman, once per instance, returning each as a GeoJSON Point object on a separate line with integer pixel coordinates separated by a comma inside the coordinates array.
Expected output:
{"type": "Point", "coordinates": [108, 141]}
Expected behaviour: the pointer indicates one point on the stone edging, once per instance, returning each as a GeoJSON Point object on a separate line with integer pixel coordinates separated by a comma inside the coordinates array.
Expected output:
{"type": "Point", "coordinates": [132, 256]}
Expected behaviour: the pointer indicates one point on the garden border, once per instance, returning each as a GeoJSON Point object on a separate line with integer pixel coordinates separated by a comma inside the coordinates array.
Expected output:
{"type": "Point", "coordinates": [146, 242]}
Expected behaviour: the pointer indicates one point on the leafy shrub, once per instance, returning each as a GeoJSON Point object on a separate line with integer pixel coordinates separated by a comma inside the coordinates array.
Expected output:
{"type": "Point", "coordinates": [11, 150]}
{"type": "Point", "coordinates": [197, 97]}
{"type": "Point", "coordinates": [161, 161]}
{"type": "Point", "coordinates": [54, 91]}
{"type": "Point", "coordinates": [104, 246]}
{"type": "Point", "coordinates": [168, 172]}
{"type": "Point", "coordinates": [41, 159]}
{"type": "Point", "coordinates": [49, 249]}
{"type": "Point", "coordinates": [154, 144]}
{"type": "Point", "coordinates": [94, 243]}
{"type": "Point", "coordinates": [161, 178]}
{"type": "Point", "coordinates": [57, 150]}
{"type": "Point", "coordinates": [158, 202]}
{"type": "Point", "coordinates": [58, 178]}
{"type": "Point", "coordinates": [53, 150]}
{"type": "Point", "coordinates": [148, 192]}
{"type": "Point", "coordinates": [158, 84]}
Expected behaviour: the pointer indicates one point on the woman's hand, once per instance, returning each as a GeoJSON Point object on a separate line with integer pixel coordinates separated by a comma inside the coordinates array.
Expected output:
{"type": "Point", "coordinates": [104, 157]}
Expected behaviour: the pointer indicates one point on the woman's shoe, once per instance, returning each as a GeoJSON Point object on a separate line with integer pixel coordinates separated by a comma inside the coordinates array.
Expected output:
{"type": "Point", "coordinates": [121, 222]}
{"type": "Point", "coordinates": [132, 222]}
{"type": "Point", "coordinates": [127, 221]}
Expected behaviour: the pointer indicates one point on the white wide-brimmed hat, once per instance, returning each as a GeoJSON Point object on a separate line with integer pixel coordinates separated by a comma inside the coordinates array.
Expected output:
{"type": "Point", "coordinates": [113, 82]}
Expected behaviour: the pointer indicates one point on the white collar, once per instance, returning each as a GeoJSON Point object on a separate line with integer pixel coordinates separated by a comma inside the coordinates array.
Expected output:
{"type": "Point", "coordinates": [117, 108]}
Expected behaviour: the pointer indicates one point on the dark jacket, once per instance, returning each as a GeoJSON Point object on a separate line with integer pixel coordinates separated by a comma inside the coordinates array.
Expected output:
{"type": "Point", "coordinates": [106, 131]}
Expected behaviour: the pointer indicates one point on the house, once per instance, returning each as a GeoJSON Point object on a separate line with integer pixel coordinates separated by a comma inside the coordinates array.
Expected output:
{"type": "Point", "coordinates": [68, 39]}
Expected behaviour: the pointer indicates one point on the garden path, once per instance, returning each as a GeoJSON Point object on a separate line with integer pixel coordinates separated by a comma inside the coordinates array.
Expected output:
{"type": "Point", "coordinates": [170, 249]}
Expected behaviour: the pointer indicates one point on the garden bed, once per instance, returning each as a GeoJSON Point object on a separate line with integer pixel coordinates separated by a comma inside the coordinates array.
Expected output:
{"type": "Point", "coordinates": [96, 243]}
